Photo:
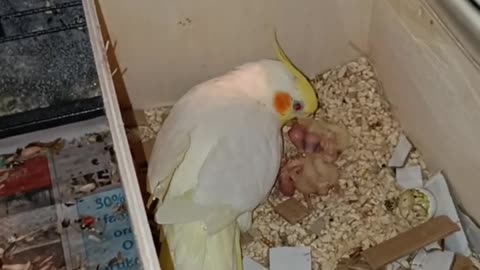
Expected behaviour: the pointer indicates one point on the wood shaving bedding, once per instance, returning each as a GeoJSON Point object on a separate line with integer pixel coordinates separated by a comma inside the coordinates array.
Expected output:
{"type": "Point", "coordinates": [363, 214]}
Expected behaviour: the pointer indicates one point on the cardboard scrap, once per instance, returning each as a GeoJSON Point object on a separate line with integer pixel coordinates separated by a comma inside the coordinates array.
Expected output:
{"type": "Point", "coordinates": [288, 258]}
{"type": "Point", "coordinates": [409, 177]}
{"type": "Point", "coordinates": [456, 242]}
{"type": "Point", "coordinates": [400, 153]}
{"type": "Point", "coordinates": [463, 263]}
{"type": "Point", "coordinates": [292, 210]}
{"type": "Point", "coordinates": [249, 264]}
{"type": "Point", "coordinates": [255, 233]}
{"type": "Point", "coordinates": [318, 226]}
{"type": "Point", "coordinates": [354, 263]}
{"type": "Point", "coordinates": [435, 260]}
{"type": "Point", "coordinates": [410, 241]}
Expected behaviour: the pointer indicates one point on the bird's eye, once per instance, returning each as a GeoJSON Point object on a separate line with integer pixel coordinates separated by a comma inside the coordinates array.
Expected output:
{"type": "Point", "coordinates": [297, 106]}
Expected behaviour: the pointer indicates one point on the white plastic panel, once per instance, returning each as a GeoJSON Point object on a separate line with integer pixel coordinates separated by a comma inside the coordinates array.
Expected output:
{"type": "Point", "coordinates": [168, 46]}
{"type": "Point", "coordinates": [433, 87]}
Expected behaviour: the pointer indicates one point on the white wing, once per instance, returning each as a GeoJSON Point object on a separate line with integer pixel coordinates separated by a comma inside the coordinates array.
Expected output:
{"type": "Point", "coordinates": [241, 169]}
{"type": "Point", "coordinates": [236, 174]}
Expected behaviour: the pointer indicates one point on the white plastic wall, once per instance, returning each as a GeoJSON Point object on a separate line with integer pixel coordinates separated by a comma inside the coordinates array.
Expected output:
{"type": "Point", "coordinates": [169, 46]}
{"type": "Point", "coordinates": [435, 90]}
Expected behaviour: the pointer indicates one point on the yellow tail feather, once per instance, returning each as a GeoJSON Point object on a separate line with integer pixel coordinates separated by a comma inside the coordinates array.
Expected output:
{"type": "Point", "coordinates": [238, 249]}
{"type": "Point", "coordinates": [195, 249]}
{"type": "Point", "coordinates": [166, 262]}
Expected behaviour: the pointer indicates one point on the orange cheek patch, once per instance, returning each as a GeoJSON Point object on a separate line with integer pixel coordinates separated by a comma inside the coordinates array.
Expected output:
{"type": "Point", "coordinates": [282, 102]}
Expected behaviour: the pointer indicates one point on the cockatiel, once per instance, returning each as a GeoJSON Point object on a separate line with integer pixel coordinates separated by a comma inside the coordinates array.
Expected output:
{"type": "Point", "coordinates": [216, 159]}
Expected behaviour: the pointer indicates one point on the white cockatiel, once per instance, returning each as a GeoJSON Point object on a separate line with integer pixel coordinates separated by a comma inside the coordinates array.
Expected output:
{"type": "Point", "coordinates": [216, 159]}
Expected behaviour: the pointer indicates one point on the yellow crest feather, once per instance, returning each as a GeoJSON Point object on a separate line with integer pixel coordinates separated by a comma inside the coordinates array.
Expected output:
{"type": "Point", "coordinates": [285, 60]}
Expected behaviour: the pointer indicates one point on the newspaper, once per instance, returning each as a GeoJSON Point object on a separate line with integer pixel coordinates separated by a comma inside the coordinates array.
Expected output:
{"type": "Point", "coordinates": [65, 208]}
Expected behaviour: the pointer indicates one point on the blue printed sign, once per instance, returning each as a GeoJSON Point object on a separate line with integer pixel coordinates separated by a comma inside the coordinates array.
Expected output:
{"type": "Point", "coordinates": [109, 242]}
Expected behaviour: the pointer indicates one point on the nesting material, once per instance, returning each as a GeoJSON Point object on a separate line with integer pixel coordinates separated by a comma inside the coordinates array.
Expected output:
{"type": "Point", "coordinates": [246, 238]}
{"type": "Point", "coordinates": [401, 152]}
{"type": "Point", "coordinates": [409, 177]}
{"type": "Point", "coordinates": [318, 226]}
{"type": "Point", "coordinates": [288, 258]}
{"type": "Point", "coordinates": [292, 210]}
{"type": "Point", "coordinates": [357, 217]}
